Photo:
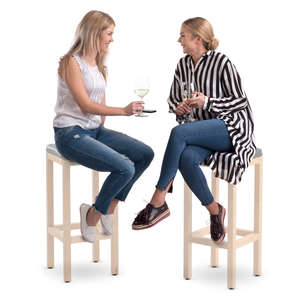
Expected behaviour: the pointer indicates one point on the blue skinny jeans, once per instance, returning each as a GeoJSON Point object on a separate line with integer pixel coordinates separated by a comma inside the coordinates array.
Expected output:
{"type": "Point", "coordinates": [106, 150]}
{"type": "Point", "coordinates": [188, 146]}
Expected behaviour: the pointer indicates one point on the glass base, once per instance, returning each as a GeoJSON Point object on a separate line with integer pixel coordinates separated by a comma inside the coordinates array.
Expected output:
{"type": "Point", "coordinates": [141, 115]}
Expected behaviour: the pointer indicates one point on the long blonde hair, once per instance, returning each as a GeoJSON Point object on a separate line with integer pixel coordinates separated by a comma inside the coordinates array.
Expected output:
{"type": "Point", "coordinates": [87, 39]}
{"type": "Point", "coordinates": [201, 27]}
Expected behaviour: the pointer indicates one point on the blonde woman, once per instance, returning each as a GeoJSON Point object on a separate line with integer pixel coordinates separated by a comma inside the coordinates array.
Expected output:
{"type": "Point", "coordinates": [80, 134]}
{"type": "Point", "coordinates": [217, 127]}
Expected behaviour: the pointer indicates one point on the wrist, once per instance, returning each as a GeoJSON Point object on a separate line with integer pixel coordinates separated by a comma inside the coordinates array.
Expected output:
{"type": "Point", "coordinates": [124, 112]}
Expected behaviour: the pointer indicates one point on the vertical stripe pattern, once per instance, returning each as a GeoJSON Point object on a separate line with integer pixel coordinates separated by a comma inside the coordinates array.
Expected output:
{"type": "Point", "coordinates": [216, 77]}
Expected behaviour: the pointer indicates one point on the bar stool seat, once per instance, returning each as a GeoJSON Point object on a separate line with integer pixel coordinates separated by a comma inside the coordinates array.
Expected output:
{"type": "Point", "coordinates": [232, 243]}
{"type": "Point", "coordinates": [63, 231]}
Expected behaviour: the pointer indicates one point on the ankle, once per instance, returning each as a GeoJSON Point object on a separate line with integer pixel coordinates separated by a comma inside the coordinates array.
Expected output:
{"type": "Point", "coordinates": [158, 198]}
{"type": "Point", "coordinates": [92, 217]}
{"type": "Point", "coordinates": [213, 208]}
{"type": "Point", "coordinates": [112, 206]}
{"type": "Point", "coordinates": [157, 203]}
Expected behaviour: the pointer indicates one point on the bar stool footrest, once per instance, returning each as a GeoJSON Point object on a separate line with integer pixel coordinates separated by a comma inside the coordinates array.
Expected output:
{"type": "Point", "coordinates": [248, 236]}
{"type": "Point", "coordinates": [58, 232]}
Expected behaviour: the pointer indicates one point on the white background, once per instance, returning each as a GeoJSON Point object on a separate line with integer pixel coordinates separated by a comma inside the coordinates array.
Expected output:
{"type": "Point", "coordinates": [262, 40]}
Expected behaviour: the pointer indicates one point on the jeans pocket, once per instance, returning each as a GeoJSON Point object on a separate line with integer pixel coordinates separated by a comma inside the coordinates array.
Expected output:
{"type": "Point", "coordinates": [63, 134]}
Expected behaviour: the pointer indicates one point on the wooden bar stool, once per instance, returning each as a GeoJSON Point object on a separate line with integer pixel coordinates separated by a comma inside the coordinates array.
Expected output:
{"type": "Point", "coordinates": [232, 243]}
{"type": "Point", "coordinates": [63, 231]}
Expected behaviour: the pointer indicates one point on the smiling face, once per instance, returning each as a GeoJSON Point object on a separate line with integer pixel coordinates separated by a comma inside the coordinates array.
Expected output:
{"type": "Point", "coordinates": [189, 43]}
{"type": "Point", "coordinates": [106, 38]}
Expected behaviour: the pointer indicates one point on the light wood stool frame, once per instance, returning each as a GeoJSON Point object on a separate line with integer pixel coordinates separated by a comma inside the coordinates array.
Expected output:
{"type": "Point", "coordinates": [63, 231]}
{"type": "Point", "coordinates": [248, 236]}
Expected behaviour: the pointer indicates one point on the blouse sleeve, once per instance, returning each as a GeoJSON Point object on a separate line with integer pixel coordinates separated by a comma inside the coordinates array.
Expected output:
{"type": "Point", "coordinates": [175, 95]}
{"type": "Point", "coordinates": [235, 98]}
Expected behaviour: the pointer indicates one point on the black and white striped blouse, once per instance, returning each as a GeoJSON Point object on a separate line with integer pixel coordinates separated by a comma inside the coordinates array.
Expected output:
{"type": "Point", "coordinates": [216, 77]}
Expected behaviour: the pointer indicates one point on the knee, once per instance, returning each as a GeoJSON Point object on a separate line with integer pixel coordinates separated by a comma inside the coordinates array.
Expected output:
{"type": "Point", "coordinates": [128, 169]}
{"type": "Point", "coordinates": [177, 131]}
{"type": "Point", "coordinates": [148, 155]}
{"type": "Point", "coordinates": [144, 156]}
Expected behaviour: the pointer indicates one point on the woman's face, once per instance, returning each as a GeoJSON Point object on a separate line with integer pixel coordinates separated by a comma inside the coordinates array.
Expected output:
{"type": "Point", "coordinates": [189, 43]}
{"type": "Point", "coordinates": [106, 38]}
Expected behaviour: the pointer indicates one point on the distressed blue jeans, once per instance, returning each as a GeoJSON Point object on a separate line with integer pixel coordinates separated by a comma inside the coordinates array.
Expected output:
{"type": "Point", "coordinates": [189, 145]}
{"type": "Point", "coordinates": [106, 150]}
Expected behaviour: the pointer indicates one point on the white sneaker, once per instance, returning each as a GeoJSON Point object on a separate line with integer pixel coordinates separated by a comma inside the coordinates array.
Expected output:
{"type": "Point", "coordinates": [88, 233]}
{"type": "Point", "coordinates": [107, 224]}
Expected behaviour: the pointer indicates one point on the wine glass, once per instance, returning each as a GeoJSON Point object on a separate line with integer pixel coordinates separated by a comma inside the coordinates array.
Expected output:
{"type": "Point", "coordinates": [141, 88]}
{"type": "Point", "coordinates": [187, 92]}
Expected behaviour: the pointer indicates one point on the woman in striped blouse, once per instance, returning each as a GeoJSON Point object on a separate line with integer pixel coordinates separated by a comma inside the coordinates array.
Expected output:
{"type": "Point", "coordinates": [216, 126]}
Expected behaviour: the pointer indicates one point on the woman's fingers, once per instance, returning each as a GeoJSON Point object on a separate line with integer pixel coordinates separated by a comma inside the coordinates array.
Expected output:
{"type": "Point", "coordinates": [134, 108]}
{"type": "Point", "coordinates": [186, 108]}
{"type": "Point", "coordinates": [183, 108]}
{"type": "Point", "coordinates": [193, 101]}
{"type": "Point", "coordinates": [137, 106]}
{"type": "Point", "coordinates": [180, 112]}
{"type": "Point", "coordinates": [197, 100]}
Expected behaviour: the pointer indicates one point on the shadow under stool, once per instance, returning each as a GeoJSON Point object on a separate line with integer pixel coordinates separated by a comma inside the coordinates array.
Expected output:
{"type": "Point", "coordinates": [232, 243]}
{"type": "Point", "coordinates": [63, 231]}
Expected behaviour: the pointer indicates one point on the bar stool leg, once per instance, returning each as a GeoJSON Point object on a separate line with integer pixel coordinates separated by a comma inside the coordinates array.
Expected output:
{"type": "Point", "coordinates": [187, 265]}
{"type": "Point", "coordinates": [231, 252]}
{"type": "Point", "coordinates": [50, 212]}
{"type": "Point", "coordinates": [114, 244]}
{"type": "Point", "coordinates": [257, 218]}
{"type": "Point", "coordinates": [95, 191]}
{"type": "Point", "coordinates": [67, 223]}
{"type": "Point", "coordinates": [214, 253]}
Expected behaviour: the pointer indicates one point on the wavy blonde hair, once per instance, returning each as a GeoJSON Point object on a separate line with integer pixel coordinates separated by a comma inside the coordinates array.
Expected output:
{"type": "Point", "coordinates": [87, 38]}
{"type": "Point", "coordinates": [200, 27]}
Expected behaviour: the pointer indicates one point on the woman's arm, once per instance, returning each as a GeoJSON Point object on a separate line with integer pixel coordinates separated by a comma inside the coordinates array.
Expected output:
{"type": "Point", "coordinates": [174, 97]}
{"type": "Point", "coordinates": [75, 84]}
{"type": "Point", "coordinates": [235, 99]}
{"type": "Point", "coordinates": [103, 118]}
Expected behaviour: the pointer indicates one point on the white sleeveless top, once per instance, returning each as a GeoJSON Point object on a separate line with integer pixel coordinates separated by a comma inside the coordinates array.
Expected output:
{"type": "Point", "coordinates": [68, 112]}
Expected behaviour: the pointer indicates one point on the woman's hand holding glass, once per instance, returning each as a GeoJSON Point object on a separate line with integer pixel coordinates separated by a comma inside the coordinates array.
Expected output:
{"type": "Point", "coordinates": [133, 108]}
{"type": "Point", "coordinates": [197, 101]}
{"type": "Point", "coordinates": [182, 109]}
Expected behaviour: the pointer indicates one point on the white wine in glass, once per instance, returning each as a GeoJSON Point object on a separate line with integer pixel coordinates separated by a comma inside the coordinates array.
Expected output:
{"type": "Point", "coordinates": [141, 92]}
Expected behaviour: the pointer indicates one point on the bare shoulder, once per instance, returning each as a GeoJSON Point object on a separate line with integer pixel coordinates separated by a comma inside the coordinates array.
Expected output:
{"type": "Point", "coordinates": [73, 62]}
{"type": "Point", "coordinates": [68, 66]}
